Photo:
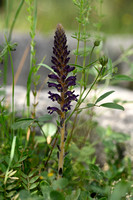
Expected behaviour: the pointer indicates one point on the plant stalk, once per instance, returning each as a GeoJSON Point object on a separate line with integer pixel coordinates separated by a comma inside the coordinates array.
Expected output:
{"type": "Point", "coordinates": [62, 147]}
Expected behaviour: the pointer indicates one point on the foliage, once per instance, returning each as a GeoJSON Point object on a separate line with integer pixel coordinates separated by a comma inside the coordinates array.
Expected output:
{"type": "Point", "coordinates": [29, 146]}
{"type": "Point", "coordinates": [117, 15]}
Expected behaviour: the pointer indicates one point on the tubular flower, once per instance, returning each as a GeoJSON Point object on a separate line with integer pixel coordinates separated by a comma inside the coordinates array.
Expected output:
{"type": "Point", "coordinates": [61, 78]}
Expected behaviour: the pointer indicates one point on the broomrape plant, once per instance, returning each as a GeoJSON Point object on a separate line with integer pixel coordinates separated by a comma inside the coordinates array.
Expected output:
{"type": "Point", "coordinates": [63, 82]}
{"type": "Point", "coordinates": [23, 164]}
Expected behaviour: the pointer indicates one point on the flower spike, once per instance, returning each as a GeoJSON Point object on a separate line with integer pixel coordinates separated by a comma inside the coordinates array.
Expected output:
{"type": "Point", "coordinates": [62, 82]}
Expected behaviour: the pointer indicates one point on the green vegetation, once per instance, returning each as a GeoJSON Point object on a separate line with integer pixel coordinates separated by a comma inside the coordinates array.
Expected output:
{"type": "Point", "coordinates": [74, 158]}
{"type": "Point", "coordinates": [118, 17]}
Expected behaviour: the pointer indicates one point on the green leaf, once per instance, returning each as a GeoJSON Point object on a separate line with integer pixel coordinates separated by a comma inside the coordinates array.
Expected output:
{"type": "Point", "coordinates": [10, 194]}
{"type": "Point", "coordinates": [13, 149]}
{"type": "Point", "coordinates": [46, 66]}
{"type": "Point", "coordinates": [23, 158]}
{"type": "Point", "coordinates": [34, 185]}
{"type": "Point", "coordinates": [2, 197]}
{"type": "Point", "coordinates": [49, 129]}
{"type": "Point", "coordinates": [24, 195]}
{"type": "Point", "coordinates": [10, 187]}
{"type": "Point", "coordinates": [24, 175]}
{"type": "Point", "coordinates": [54, 195]}
{"type": "Point", "coordinates": [120, 190]}
{"type": "Point", "coordinates": [40, 139]}
{"type": "Point", "coordinates": [29, 86]}
{"type": "Point", "coordinates": [112, 105]}
{"type": "Point", "coordinates": [44, 118]}
{"type": "Point", "coordinates": [74, 195]}
{"type": "Point", "coordinates": [122, 77]}
{"type": "Point", "coordinates": [24, 181]}
{"type": "Point", "coordinates": [104, 96]}
{"type": "Point", "coordinates": [23, 123]}
{"type": "Point", "coordinates": [46, 191]}
{"type": "Point", "coordinates": [75, 65]}
{"type": "Point", "coordinates": [89, 105]}
{"type": "Point", "coordinates": [32, 180]}
{"type": "Point", "coordinates": [25, 186]}
{"type": "Point", "coordinates": [32, 173]}
{"type": "Point", "coordinates": [60, 183]}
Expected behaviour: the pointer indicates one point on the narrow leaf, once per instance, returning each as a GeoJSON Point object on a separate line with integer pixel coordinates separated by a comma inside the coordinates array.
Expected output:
{"type": "Point", "coordinates": [32, 180]}
{"type": "Point", "coordinates": [23, 158]}
{"type": "Point", "coordinates": [122, 77]}
{"type": "Point", "coordinates": [46, 66]}
{"type": "Point", "coordinates": [34, 185]}
{"type": "Point", "coordinates": [10, 187]}
{"type": "Point", "coordinates": [13, 149]}
{"type": "Point", "coordinates": [104, 96]}
{"type": "Point", "coordinates": [32, 173]}
{"type": "Point", "coordinates": [75, 65]}
{"type": "Point", "coordinates": [24, 181]}
{"type": "Point", "coordinates": [112, 105]}
{"type": "Point", "coordinates": [89, 105]}
{"type": "Point", "coordinates": [10, 194]}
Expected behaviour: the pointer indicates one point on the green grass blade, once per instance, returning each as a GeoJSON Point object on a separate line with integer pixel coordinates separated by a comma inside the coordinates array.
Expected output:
{"type": "Point", "coordinates": [15, 18]}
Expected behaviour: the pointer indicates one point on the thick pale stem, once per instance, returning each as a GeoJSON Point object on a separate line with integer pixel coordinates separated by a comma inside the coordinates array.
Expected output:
{"type": "Point", "coordinates": [61, 152]}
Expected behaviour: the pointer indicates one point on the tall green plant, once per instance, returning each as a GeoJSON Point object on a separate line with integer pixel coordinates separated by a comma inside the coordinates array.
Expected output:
{"type": "Point", "coordinates": [9, 30]}
{"type": "Point", "coordinates": [32, 18]}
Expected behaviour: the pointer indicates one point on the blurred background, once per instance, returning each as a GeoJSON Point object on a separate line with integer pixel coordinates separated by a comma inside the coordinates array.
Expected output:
{"type": "Point", "coordinates": [117, 19]}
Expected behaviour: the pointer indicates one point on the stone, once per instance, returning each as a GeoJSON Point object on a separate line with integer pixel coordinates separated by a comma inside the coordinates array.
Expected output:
{"type": "Point", "coordinates": [119, 121]}
{"type": "Point", "coordinates": [112, 46]}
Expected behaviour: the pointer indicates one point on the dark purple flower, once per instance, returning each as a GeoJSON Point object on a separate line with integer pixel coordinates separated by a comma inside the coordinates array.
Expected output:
{"type": "Point", "coordinates": [54, 97]}
{"type": "Point", "coordinates": [60, 60]}
{"type": "Point", "coordinates": [55, 61]}
{"type": "Point", "coordinates": [53, 76]}
{"type": "Point", "coordinates": [56, 70]}
{"type": "Point", "coordinates": [70, 81]}
{"type": "Point", "coordinates": [66, 107]}
{"type": "Point", "coordinates": [68, 69]}
{"type": "Point", "coordinates": [66, 60]}
{"type": "Point", "coordinates": [53, 109]}
{"type": "Point", "coordinates": [70, 96]}
{"type": "Point", "coordinates": [57, 86]}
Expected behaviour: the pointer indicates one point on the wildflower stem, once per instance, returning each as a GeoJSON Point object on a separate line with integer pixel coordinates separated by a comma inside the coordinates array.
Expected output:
{"type": "Point", "coordinates": [78, 40]}
{"type": "Point", "coordinates": [78, 104]}
{"type": "Point", "coordinates": [62, 146]}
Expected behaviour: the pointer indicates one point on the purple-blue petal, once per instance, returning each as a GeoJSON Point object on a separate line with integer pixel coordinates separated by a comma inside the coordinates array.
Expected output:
{"type": "Point", "coordinates": [71, 81]}
{"type": "Point", "coordinates": [57, 86]}
{"type": "Point", "coordinates": [66, 107]}
{"type": "Point", "coordinates": [54, 97]}
{"type": "Point", "coordinates": [68, 69]}
{"type": "Point", "coordinates": [52, 84]}
{"type": "Point", "coordinates": [53, 76]}
{"type": "Point", "coordinates": [71, 97]}
{"type": "Point", "coordinates": [66, 60]}
{"type": "Point", "coordinates": [56, 70]}
{"type": "Point", "coordinates": [53, 109]}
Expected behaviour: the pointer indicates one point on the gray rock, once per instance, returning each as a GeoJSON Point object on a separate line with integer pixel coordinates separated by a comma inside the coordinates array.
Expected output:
{"type": "Point", "coordinates": [119, 121]}
{"type": "Point", "coordinates": [112, 47]}
{"type": "Point", "coordinates": [43, 49]}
